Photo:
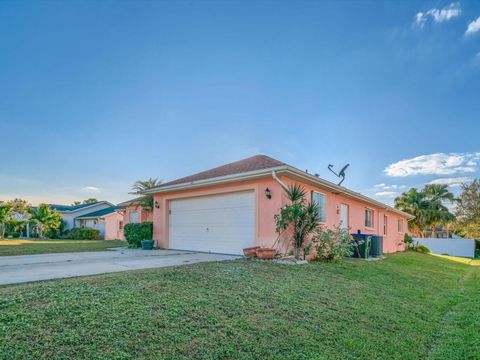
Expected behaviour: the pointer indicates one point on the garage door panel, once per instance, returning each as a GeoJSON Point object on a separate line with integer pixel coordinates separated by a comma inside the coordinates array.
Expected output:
{"type": "Point", "coordinates": [221, 223]}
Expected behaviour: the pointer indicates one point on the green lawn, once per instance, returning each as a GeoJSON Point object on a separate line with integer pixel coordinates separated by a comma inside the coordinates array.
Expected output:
{"type": "Point", "coordinates": [408, 306]}
{"type": "Point", "coordinates": [38, 246]}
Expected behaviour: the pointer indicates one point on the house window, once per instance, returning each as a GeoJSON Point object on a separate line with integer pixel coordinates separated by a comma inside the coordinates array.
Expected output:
{"type": "Point", "coordinates": [133, 217]}
{"type": "Point", "coordinates": [368, 218]}
{"type": "Point", "coordinates": [321, 201]}
{"type": "Point", "coordinates": [120, 225]}
{"type": "Point", "coordinates": [400, 225]}
{"type": "Point", "coordinates": [385, 222]}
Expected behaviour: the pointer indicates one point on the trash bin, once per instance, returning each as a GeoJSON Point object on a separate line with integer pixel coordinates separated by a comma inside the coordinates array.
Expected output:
{"type": "Point", "coordinates": [360, 242]}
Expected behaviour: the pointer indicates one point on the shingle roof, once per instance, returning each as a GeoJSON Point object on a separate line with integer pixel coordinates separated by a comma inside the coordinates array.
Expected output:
{"type": "Point", "coordinates": [99, 213]}
{"type": "Point", "coordinates": [253, 163]}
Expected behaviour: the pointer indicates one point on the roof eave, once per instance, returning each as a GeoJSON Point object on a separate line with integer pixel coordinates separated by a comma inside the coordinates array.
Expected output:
{"type": "Point", "coordinates": [282, 170]}
{"type": "Point", "coordinates": [217, 180]}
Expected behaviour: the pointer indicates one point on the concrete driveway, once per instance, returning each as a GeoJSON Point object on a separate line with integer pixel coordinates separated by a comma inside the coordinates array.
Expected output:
{"type": "Point", "coordinates": [27, 268]}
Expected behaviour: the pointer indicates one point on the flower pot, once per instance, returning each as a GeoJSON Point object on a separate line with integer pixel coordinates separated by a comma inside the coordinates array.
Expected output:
{"type": "Point", "coordinates": [266, 253]}
{"type": "Point", "coordinates": [147, 244]}
{"type": "Point", "coordinates": [251, 251]}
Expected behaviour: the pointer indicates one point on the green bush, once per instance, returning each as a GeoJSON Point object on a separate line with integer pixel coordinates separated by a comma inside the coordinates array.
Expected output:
{"type": "Point", "coordinates": [82, 233]}
{"type": "Point", "coordinates": [332, 245]}
{"type": "Point", "coordinates": [408, 240]}
{"type": "Point", "coordinates": [422, 249]}
{"type": "Point", "coordinates": [135, 233]}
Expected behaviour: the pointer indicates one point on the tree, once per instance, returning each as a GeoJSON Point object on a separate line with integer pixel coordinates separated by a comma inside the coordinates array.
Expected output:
{"type": "Point", "coordinates": [437, 213]}
{"type": "Point", "coordinates": [5, 215]}
{"type": "Point", "coordinates": [146, 201]}
{"type": "Point", "coordinates": [413, 202]}
{"type": "Point", "coordinates": [468, 210]}
{"type": "Point", "coordinates": [90, 201]}
{"type": "Point", "coordinates": [427, 206]}
{"type": "Point", "coordinates": [46, 219]}
{"type": "Point", "coordinates": [300, 216]}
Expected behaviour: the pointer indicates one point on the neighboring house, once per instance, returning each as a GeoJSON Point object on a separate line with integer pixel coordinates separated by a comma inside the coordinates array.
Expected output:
{"type": "Point", "coordinates": [109, 222]}
{"type": "Point", "coordinates": [70, 213]}
{"type": "Point", "coordinates": [231, 207]}
{"type": "Point", "coordinates": [133, 212]}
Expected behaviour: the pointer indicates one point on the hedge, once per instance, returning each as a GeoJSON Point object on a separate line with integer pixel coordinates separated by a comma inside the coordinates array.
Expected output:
{"type": "Point", "coordinates": [135, 233]}
{"type": "Point", "coordinates": [82, 233]}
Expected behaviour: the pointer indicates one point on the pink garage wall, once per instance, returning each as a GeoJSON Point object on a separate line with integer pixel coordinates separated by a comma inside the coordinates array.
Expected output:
{"type": "Point", "coordinates": [266, 209]}
{"type": "Point", "coordinates": [114, 226]}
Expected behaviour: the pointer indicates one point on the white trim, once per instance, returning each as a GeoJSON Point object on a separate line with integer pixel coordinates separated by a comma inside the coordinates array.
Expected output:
{"type": "Point", "coordinates": [365, 218]}
{"type": "Point", "coordinates": [311, 199]}
{"type": "Point", "coordinates": [82, 208]}
{"type": "Point", "coordinates": [282, 170]}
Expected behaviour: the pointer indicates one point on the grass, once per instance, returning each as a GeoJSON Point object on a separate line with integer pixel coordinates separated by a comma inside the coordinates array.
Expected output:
{"type": "Point", "coordinates": [38, 246]}
{"type": "Point", "coordinates": [408, 306]}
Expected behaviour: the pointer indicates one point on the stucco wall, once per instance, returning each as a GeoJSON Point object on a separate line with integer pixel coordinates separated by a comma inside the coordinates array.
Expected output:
{"type": "Point", "coordinates": [114, 227]}
{"type": "Point", "coordinates": [143, 215]}
{"type": "Point", "coordinates": [266, 209]}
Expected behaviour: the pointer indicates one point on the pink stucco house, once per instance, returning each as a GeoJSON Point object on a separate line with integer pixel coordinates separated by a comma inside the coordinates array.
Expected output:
{"type": "Point", "coordinates": [232, 207]}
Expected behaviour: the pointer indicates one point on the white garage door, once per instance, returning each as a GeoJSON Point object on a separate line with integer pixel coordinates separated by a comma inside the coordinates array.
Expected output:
{"type": "Point", "coordinates": [220, 223]}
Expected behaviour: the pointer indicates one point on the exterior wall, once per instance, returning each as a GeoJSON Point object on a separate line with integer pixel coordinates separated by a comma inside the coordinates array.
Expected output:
{"type": "Point", "coordinates": [69, 217]}
{"type": "Point", "coordinates": [392, 241]}
{"type": "Point", "coordinates": [266, 209]}
{"type": "Point", "coordinates": [114, 226]}
{"type": "Point", "coordinates": [143, 215]}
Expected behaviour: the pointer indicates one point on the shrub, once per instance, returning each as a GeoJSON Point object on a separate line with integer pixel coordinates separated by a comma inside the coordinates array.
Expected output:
{"type": "Point", "coordinates": [332, 245]}
{"type": "Point", "coordinates": [135, 233]}
{"type": "Point", "coordinates": [422, 249]}
{"type": "Point", "coordinates": [82, 233]}
{"type": "Point", "coordinates": [408, 240]}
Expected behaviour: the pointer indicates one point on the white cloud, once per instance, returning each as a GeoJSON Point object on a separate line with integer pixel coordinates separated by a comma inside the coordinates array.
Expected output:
{"type": "Point", "coordinates": [438, 15]}
{"type": "Point", "coordinates": [435, 164]}
{"type": "Point", "coordinates": [457, 181]}
{"type": "Point", "coordinates": [386, 193]}
{"type": "Point", "coordinates": [473, 27]}
{"type": "Point", "coordinates": [388, 187]}
{"type": "Point", "coordinates": [91, 189]}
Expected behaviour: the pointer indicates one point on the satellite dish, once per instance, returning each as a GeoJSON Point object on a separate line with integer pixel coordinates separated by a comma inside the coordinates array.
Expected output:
{"type": "Point", "coordinates": [341, 174]}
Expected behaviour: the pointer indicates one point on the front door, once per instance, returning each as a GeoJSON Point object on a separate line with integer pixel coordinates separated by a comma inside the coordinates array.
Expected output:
{"type": "Point", "coordinates": [344, 216]}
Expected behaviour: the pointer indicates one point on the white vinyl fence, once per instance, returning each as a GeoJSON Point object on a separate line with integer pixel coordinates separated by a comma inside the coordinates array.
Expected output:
{"type": "Point", "coordinates": [453, 247]}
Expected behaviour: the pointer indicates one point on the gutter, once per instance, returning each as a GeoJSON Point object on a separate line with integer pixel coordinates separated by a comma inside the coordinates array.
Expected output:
{"type": "Point", "coordinates": [273, 172]}
{"type": "Point", "coordinates": [218, 180]}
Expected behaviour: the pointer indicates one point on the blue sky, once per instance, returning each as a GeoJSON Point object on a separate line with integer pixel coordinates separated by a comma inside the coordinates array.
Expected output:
{"type": "Point", "coordinates": [95, 95]}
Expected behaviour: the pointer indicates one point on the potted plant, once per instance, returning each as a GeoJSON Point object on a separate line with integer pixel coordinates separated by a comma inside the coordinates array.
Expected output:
{"type": "Point", "coordinates": [251, 251]}
{"type": "Point", "coordinates": [266, 253]}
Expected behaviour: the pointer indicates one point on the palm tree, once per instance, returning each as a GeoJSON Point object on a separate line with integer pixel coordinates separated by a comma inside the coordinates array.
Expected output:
{"type": "Point", "coordinates": [436, 195]}
{"type": "Point", "coordinates": [427, 206]}
{"type": "Point", "coordinates": [45, 219]}
{"type": "Point", "coordinates": [146, 201]}
{"type": "Point", "coordinates": [300, 216]}
{"type": "Point", "coordinates": [413, 202]}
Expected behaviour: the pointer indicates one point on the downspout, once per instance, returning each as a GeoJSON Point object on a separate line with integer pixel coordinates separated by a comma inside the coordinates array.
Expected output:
{"type": "Point", "coordinates": [282, 184]}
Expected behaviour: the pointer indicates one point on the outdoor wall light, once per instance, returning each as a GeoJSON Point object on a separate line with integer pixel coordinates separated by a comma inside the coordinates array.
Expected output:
{"type": "Point", "coordinates": [268, 193]}
{"type": "Point", "coordinates": [157, 205]}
